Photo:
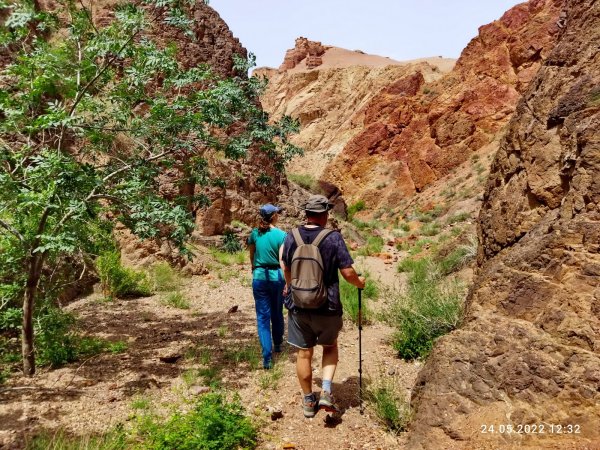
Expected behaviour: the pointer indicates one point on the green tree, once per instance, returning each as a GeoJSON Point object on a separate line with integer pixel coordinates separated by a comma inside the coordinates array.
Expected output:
{"type": "Point", "coordinates": [90, 120]}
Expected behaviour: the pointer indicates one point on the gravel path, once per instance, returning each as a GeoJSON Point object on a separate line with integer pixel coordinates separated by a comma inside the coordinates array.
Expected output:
{"type": "Point", "coordinates": [95, 395]}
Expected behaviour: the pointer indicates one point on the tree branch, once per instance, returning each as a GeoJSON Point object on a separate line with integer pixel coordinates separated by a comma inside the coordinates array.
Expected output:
{"type": "Point", "coordinates": [6, 226]}
{"type": "Point", "coordinates": [90, 83]}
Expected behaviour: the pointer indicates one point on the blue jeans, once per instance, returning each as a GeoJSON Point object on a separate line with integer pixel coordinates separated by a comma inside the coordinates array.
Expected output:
{"type": "Point", "coordinates": [268, 299]}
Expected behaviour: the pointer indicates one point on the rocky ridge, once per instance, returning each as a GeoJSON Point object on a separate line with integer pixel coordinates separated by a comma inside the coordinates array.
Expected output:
{"type": "Point", "coordinates": [383, 133]}
{"type": "Point", "coordinates": [330, 100]}
{"type": "Point", "coordinates": [421, 134]}
{"type": "Point", "coordinates": [528, 354]}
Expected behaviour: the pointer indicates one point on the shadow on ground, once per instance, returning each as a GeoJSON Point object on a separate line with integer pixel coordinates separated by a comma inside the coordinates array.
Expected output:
{"type": "Point", "coordinates": [149, 338]}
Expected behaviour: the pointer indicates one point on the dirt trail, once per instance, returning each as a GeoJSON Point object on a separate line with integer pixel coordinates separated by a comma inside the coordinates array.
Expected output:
{"type": "Point", "coordinates": [97, 394]}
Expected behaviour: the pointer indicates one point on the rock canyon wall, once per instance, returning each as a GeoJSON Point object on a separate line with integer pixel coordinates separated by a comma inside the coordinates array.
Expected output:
{"type": "Point", "coordinates": [386, 130]}
{"type": "Point", "coordinates": [528, 353]}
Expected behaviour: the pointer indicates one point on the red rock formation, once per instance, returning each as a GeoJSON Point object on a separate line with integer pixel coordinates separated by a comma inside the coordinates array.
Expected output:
{"type": "Point", "coordinates": [431, 128]}
{"type": "Point", "coordinates": [304, 49]}
{"type": "Point", "coordinates": [528, 353]}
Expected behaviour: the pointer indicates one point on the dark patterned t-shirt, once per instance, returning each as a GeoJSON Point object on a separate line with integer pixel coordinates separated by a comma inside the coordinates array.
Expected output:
{"type": "Point", "coordinates": [335, 256]}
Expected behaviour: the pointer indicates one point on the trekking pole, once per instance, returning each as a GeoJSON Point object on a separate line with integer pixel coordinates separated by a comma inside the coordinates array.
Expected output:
{"type": "Point", "coordinates": [360, 390]}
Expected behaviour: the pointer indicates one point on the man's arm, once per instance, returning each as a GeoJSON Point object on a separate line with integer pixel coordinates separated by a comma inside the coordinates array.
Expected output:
{"type": "Point", "coordinates": [287, 272]}
{"type": "Point", "coordinates": [352, 277]}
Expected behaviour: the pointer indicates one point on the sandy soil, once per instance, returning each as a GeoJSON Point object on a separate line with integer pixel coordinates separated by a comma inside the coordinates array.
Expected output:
{"type": "Point", "coordinates": [95, 395]}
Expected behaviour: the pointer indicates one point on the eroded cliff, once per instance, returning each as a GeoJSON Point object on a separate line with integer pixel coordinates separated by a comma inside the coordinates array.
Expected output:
{"type": "Point", "coordinates": [330, 99]}
{"type": "Point", "coordinates": [529, 350]}
{"type": "Point", "coordinates": [383, 132]}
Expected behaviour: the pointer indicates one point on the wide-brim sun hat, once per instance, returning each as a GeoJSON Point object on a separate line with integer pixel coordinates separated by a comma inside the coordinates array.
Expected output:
{"type": "Point", "coordinates": [266, 211]}
{"type": "Point", "coordinates": [317, 203]}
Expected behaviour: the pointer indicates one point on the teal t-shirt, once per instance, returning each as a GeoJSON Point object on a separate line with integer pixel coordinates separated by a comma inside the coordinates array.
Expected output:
{"type": "Point", "coordinates": [266, 252]}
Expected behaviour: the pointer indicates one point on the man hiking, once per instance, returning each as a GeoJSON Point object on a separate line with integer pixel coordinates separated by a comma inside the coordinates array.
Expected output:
{"type": "Point", "coordinates": [311, 258]}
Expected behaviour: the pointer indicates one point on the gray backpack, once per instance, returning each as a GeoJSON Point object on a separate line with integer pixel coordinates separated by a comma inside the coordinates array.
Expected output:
{"type": "Point", "coordinates": [308, 288]}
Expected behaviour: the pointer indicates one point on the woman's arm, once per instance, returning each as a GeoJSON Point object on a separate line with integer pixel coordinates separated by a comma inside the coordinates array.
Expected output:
{"type": "Point", "coordinates": [252, 249]}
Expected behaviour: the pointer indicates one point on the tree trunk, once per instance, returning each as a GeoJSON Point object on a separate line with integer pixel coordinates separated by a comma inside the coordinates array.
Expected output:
{"type": "Point", "coordinates": [36, 262]}
{"type": "Point", "coordinates": [35, 271]}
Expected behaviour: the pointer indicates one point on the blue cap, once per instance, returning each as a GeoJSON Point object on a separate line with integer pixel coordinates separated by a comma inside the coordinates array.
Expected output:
{"type": "Point", "coordinates": [268, 210]}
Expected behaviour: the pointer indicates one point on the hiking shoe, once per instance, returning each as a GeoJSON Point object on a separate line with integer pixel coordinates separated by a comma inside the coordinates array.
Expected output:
{"type": "Point", "coordinates": [327, 403]}
{"type": "Point", "coordinates": [309, 406]}
{"type": "Point", "coordinates": [268, 364]}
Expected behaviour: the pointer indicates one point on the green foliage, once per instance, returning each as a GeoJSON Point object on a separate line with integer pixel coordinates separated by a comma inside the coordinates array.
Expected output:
{"type": "Point", "coordinates": [226, 258]}
{"type": "Point", "coordinates": [459, 217]}
{"type": "Point", "coordinates": [119, 281]}
{"type": "Point", "coordinates": [115, 439]}
{"type": "Point", "coordinates": [164, 278]}
{"type": "Point", "coordinates": [430, 229]}
{"type": "Point", "coordinates": [230, 242]}
{"type": "Point", "coordinates": [4, 375]}
{"type": "Point", "coordinates": [429, 216]}
{"type": "Point", "coordinates": [354, 208]}
{"type": "Point", "coordinates": [116, 347]}
{"type": "Point", "coordinates": [430, 308]}
{"type": "Point", "coordinates": [213, 423]}
{"type": "Point", "coordinates": [305, 181]}
{"type": "Point", "coordinates": [405, 227]}
{"type": "Point", "coordinates": [349, 299]}
{"type": "Point", "coordinates": [393, 411]}
{"type": "Point", "coordinates": [374, 245]}
{"type": "Point", "coordinates": [58, 342]}
{"type": "Point", "coordinates": [11, 319]}
{"type": "Point", "coordinates": [89, 123]}
{"type": "Point", "coordinates": [140, 402]}
{"type": "Point", "coordinates": [419, 246]}
{"type": "Point", "coordinates": [459, 257]}
{"type": "Point", "coordinates": [176, 300]}
{"type": "Point", "coordinates": [270, 378]}
{"type": "Point", "coordinates": [247, 354]}
{"type": "Point", "coordinates": [199, 353]}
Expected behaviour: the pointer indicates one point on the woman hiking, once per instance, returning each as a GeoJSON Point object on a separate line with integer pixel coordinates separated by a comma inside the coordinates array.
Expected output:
{"type": "Point", "coordinates": [265, 244]}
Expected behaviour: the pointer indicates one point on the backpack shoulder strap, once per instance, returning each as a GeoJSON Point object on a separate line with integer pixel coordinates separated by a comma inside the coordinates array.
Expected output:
{"type": "Point", "coordinates": [322, 235]}
{"type": "Point", "coordinates": [297, 237]}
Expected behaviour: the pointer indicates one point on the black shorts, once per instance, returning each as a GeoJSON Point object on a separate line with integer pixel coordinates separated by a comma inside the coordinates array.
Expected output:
{"type": "Point", "coordinates": [307, 329]}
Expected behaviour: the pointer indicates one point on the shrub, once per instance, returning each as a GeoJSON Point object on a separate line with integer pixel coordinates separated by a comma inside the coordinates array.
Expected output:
{"type": "Point", "coordinates": [354, 208]}
{"type": "Point", "coordinates": [374, 245]}
{"type": "Point", "coordinates": [230, 243]}
{"type": "Point", "coordinates": [393, 411]}
{"type": "Point", "coordinates": [429, 309]}
{"type": "Point", "coordinates": [11, 319]}
{"type": "Point", "coordinates": [349, 299]}
{"type": "Point", "coordinates": [213, 423]}
{"type": "Point", "coordinates": [459, 257]}
{"type": "Point", "coordinates": [430, 229]}
{"type": "Point", "coordinates": [228, 259]}
{"type": "Point", "coordinates": [164, 277]}
{"type": "Point", "coordinates": [419, 245]}
{"type": "Point", "coordinates": [57, 342]}
{"type": "Point", "coordinates": [459, 217]}
{"type": "Point", "coordinates": [405, 227]}
{"type": "Point", "coordinates": [429, 216]}
{"type": "Point", "coordinates": [115, 439]}
{"type": "Point", "coordinates": [177, 300]}
{"type": "Point", "coordinates": [118, 281]}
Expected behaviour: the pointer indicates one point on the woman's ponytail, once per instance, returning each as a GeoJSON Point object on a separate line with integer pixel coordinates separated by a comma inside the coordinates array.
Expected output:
{"type": "Point", "coordinates": [264, 224]}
